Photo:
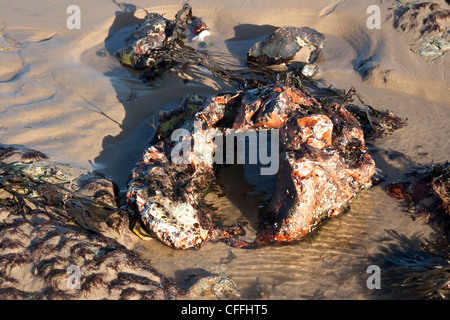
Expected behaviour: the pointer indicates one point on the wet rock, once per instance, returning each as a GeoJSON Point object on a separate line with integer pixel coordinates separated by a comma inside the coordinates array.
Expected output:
{"type": "Point", "coordinates": [168, 198]}
{"type": "Point", "coordinates": [284, 44]}
{"type": "Point", "coordinates": [310, 70]}
{"type": "Point", "coordinates": [324, 164]}
{"type": "Point", "coordinates": [144, 48]}
{"type": "Point", "coordinates": [150, 46]}
{"type": "Point", "coordinates": [214, 288]}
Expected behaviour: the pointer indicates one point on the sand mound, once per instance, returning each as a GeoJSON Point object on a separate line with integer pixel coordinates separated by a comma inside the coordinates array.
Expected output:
{"type": "Point", "coordinates": [54, 248]}
{"type": "Point", "coordinates": [36, 253]}
{"type": "Point", "coordinates": [10, 66]}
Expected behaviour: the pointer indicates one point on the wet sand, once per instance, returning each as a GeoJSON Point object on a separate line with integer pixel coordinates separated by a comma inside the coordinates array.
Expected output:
{"type": "Point", "coordinates": [63, 92]}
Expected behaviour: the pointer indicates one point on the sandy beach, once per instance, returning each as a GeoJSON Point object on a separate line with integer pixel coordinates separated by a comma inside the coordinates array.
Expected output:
{"type": "Point", "coordinates": [64, 92]}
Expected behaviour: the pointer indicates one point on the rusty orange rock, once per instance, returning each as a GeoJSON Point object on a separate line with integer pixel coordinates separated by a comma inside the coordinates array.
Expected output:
{"type": "Point", "coordinates": [323, 164]}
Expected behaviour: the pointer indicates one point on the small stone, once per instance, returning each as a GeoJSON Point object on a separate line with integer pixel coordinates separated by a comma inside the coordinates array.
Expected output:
{"type": "Point", "coordinates": [310, 70]}
{"type": "Point", "coordinates": [102, 53]}
{"type": "Point", "coordinates": [215, 288]}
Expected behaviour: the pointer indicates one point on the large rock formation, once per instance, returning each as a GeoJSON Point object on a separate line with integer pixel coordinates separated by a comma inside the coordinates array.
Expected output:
{"type": "Point", "coordinates": [321, 149]}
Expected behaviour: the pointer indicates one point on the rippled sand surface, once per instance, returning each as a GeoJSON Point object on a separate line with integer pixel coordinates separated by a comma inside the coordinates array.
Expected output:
{"type": "Point", "coordinates": [63, 92]}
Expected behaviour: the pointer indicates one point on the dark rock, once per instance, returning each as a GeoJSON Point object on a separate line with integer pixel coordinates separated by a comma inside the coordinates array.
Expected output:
{"type": "Point", "coordinates": [282, 46]}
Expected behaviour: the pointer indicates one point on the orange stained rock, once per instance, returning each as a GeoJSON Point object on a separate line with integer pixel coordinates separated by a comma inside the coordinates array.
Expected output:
{"type": "Point", "coordinates": [315, 180]}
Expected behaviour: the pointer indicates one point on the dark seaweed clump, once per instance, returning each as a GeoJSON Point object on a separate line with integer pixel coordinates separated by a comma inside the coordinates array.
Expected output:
{"type": "Point", "coordinates": [414, 268]}
{"type": "Point", "coordinates": [47, 227]}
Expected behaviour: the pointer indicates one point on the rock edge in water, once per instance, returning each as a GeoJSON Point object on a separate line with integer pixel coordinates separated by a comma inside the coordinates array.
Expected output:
{"type": "Point", "coordinates": [323, 165]}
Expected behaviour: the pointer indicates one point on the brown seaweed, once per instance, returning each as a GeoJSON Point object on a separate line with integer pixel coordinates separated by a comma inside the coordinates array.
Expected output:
{"type": "Point", "coordinates": [425, 191]}
{"type": "Point", "coordinates": [413, 268]}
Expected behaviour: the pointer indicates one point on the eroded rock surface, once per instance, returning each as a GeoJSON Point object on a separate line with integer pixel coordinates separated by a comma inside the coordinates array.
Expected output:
{"type": "Point", "coordinates": [323, 165]}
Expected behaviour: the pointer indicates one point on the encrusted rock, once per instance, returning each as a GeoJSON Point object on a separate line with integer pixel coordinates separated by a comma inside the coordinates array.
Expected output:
{"type": "Point", "coordinates": [310, 70]}
{"type": "Point", "coordinates": [214, 288]}
{"type": "Point", "coordinates": [324, 163]}
{"type": "Point", "coordinates": [149, 46]}
{"type": "Point", "coordinates": [145, 47]}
